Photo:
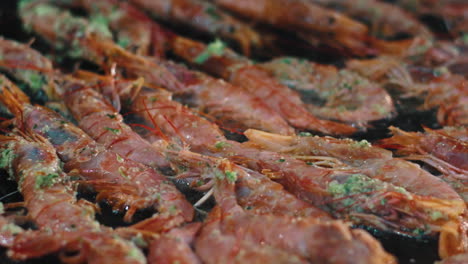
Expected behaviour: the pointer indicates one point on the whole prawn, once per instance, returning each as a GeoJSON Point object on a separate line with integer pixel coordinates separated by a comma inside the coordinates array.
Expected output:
{"type": "Point", "coordinates": [288, 241]}
{"type": "Point", "coordinates": [331, 93]}
{"type": "Point", "coordinates": [121, 182]}
{"type": "Point", "coordinates": [64, 222]}
{"type": "Point", "coordinates": [437, 148]}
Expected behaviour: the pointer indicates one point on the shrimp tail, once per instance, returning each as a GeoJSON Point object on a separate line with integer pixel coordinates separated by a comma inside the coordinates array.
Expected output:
{"type": "Point", "coordinates": [399, 140]}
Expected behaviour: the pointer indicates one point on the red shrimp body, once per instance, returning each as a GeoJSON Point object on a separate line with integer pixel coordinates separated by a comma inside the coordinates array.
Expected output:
{"type": "Point", "coordinates": [438, 143]}
{"type": "Point", "coordinates": [62, 220]}
{"type": "Point", "coordinates": [135, 34]}
{"type": "Point", "coordinates": [220, 99]}
{"type": "Point", "coordinates": [89, 42]}
{"type": "Point", "coordinates": [257, 81]}
{"type": "Point", "coordinates": [331, 93]}
{"type": "Point", "coordinates": [101, 121]}
{"type": "Point", "coordinates": [254, 191]}
{"type": "Point", "coordinates": [373, 161]}
{"type": "Point", "coordinates": [292, 234]}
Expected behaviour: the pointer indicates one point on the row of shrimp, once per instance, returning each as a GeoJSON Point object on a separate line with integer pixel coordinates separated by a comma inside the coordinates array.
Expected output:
{"type": "Point", "coordinates": [259, 91]}
{"type": "Point", "coordinates": [325, 92]}
{"type": "Point", "coordinates": [386, 193]}
{"type": "Point", "coordinates": [330, 181]}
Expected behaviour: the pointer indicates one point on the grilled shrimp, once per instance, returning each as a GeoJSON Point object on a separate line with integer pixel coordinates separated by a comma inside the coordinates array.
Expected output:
{"type": "Point", "coordinates": [384, 175]}
{"type": "Point", "coordinates": [240, 71]}
{"type": "Point", "coordinates": [367, 203]}
{"type": "Point", "coordinates": [205, 18]}
{"type": "Point", "coordinates": [437, 148]}
{"type": "Point", "coordinates": [284, 235]}
{"type": "Point", "coordinates": [375, 162]}
{"type": "Point", "coordinates": [277, 91]}
{"type": "Point", "coordinates": [135, 33]}
{"type": "Point", "coordinates": [306, 19]}
{"type": "Point", "coordinates": [64, 223]}
{"type": "Point", "coordinates": [121, 182]}
{"type": "Point", "coordinates": [436, 88]}
{"type": "Point", "coordinates": [331, 93]}
{"type": "Point", "coordinates": [357, 196]}
{"type": "Point", "coordinates": [229, 103]}
{"type": "Point", "coordinates": [183, 127]}
{"type": "Point", "coordinates": [80, 39]}
{"type": "Point", "coordinates": [245, 109]}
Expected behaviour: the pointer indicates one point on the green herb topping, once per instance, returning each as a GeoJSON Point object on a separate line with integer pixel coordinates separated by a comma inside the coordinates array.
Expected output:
{"type": "Point", "coordinates": [46, 180]}
{"type": "Point", "coordinates": [215, 48]}
{"type": "Point", "coordinates": [304, 134]}
{"type": "Point", "coordinates": [222, 144]}
{"type": "Point", "coordinates": [6, 157]}
{"type": "Point", "coordinates": [231, 176]}
{"type": "Point", "coordinates": [113, 130]}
